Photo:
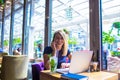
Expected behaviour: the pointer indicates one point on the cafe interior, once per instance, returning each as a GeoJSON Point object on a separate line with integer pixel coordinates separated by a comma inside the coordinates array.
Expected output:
{"type": "Point", "coordinates": [27, 27]}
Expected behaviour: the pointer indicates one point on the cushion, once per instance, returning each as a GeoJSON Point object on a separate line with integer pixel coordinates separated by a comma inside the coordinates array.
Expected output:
{"type": "Point", "coordinates": [36, 68]}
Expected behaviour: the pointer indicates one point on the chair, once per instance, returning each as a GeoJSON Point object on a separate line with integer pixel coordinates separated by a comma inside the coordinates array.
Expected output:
{"type": "Point", "coordinates": [36, 68]}
{"type": "Point", "coordinates": [113, 65]}
{"type": "Point", "coordinates": [3, 53]}
{"type": "Point", "coordinates": [14, 67]}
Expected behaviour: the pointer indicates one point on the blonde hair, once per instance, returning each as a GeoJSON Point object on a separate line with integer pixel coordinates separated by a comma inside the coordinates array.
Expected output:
{"type": "Point", "coordinates": [65, 45]}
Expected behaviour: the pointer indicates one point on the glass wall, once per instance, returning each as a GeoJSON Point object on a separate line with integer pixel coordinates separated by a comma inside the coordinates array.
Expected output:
{"type": "Point", "coordinates": [111, 31]}
{"type": "Point", "coordinates": [18, 24]}
{"type": "Point", "coordinates": [72, 16]}
{"type": "Point", "coordinates": [35, 22]}
{"type": "Point", "coordinates": [37, 27]}
{"type": "Point", "coordinates": [0, 28]}
{"type": "Point", "coordinates": [7, 27]}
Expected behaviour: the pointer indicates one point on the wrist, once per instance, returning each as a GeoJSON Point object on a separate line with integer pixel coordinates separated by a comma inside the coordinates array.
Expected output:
{"type": "Point", "coordinates": [53, 53]}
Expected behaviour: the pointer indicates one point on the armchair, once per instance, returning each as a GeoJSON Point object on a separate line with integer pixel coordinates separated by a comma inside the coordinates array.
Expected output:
{"type": "Point", "coordinates": [36, 68]}
{"type": "Point", "coordinates": [14, 67]}
{"type": "Point", "coordinates": [3, 53]}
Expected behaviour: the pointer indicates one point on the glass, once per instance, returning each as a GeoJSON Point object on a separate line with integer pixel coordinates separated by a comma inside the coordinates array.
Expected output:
{"type": "Point", "coordinates": [7, 31]}
{"type": "Point", "coordinates": [75, 19]}
{"type": "Point", "coordinates": [95, 64]}
{"type": "Point", "coordinates": [93, 67]}
{"type": "Point", "coordinates": [53, 64]}
{"type": "Point", "coordinates": [37, 19]}
{"type": "Point", "coordinates": [110, 33]}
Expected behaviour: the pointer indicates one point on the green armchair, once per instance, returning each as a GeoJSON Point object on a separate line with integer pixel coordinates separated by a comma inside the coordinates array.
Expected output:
{"type": "Point", "coordinates": [14, 67]}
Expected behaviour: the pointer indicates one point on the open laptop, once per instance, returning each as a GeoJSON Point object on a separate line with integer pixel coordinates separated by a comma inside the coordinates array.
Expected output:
{"type": "Point", "coordinates": [80, 62]}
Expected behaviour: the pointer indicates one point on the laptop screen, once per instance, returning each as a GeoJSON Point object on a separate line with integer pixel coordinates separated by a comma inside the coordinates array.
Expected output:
{"type": "Point", "coordinates": [80, 61]}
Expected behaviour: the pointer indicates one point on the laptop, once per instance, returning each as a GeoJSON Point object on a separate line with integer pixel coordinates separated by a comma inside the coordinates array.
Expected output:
{"type": "Point", "coordinates": [80, 62]}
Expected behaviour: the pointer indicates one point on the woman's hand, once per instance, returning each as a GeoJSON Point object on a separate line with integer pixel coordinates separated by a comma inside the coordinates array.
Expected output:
{"type": "Point", "coordinates": [65, 65]}
{"type": "Point", "coordinates": [46, 61]}
{"type": "Point", "coordinates": [53, 46]}
{"type": "Point", "coordinates": [47, 65]}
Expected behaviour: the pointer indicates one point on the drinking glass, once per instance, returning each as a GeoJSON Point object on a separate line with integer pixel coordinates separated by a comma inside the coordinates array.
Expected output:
{"type": "Point", "coordinates": [95, 65]}
{"type": "Point", "coordinates": [53, 64]}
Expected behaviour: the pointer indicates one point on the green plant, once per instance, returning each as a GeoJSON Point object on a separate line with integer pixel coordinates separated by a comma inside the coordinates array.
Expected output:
{"type": "Point", "coordinates": [117, 26]}
{"type": "Point", "coordinates": [53, 64]}
{"type": "Point", "coordinates": [6, 42]}
{"type": "Point", "coordinates": [2, 2]}
{"type": "Point", "coordinates": [115, 53]}
{"type": "Point", "coordinates": [17, 41]}
{"type": "Point", "coordinates": [107, 38]}
{"type": "Point", "coordinates": [72, 41]}
{"type": "Point", "coordinates": [66, 31]}
{"type": "Point", "coordinates": [40, 41]}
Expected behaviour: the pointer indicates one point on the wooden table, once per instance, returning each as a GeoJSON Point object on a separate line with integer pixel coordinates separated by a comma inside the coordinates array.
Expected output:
{"type": "Point", "coordinates": [102, 75]}
{"type": "Point", "coordinates": [0, 60]}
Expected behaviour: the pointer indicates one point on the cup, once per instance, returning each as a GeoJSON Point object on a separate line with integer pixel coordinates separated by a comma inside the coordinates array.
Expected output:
{"type": "Point", "coordinates": [95, 65]}
{"type": "Point", "coordinates": [53, 64]}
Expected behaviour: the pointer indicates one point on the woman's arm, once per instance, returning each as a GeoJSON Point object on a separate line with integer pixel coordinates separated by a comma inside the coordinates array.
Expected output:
{"type": "Point", "coordinates": [67, 64]}
{"type": "Point", "coordinates": [69, 56]}
{"type": "Point", "coordinates": [46, 61]}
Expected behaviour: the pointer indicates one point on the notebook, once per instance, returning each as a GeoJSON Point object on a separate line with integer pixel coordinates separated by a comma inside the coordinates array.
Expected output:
{"type": "Point", "coordinates": [80, 62]}
{"type": "Point", "coordinates": [72, 76]}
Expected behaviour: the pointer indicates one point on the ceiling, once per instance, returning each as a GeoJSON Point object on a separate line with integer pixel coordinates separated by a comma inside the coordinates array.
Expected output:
{"type": "Point", "coordinates": [65, 13]}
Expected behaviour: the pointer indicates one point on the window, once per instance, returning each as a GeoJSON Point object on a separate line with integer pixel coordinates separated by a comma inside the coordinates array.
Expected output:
{"type": "Point", "coordinates": [110, 29]}
{"type": "Point", "coordinates": [72, 16]}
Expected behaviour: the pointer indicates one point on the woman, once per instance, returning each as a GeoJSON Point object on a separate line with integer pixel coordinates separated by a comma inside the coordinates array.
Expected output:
{"type": "Point", "coordinates": [58, 48]}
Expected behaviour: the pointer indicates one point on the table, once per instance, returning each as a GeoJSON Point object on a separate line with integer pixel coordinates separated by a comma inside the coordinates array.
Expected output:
{"type": "Point", "coordinates": [102, 75]}
{"type": "Point", "coordinates": [0, 60]}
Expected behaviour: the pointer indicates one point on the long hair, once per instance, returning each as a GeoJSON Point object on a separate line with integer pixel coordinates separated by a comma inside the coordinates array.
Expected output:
{"type": "Point", "coordinates": [65, 45]}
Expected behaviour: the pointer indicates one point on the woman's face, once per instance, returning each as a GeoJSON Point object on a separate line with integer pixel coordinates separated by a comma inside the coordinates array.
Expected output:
{"type": "Point", "coordinates": [59, 39]}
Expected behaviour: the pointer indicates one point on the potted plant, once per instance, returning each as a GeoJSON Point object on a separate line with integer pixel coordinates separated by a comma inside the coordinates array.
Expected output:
{"type": "Point", "coordinates": [107, 38]}
{"type": "Point", "coordinates": [115, 53]}
{"type": "Point", "coordinates": [2, 2]}
{"type": "Point", "coordinates": [110, 39]}
{"type": "Point", "coordinates": [117, 26]}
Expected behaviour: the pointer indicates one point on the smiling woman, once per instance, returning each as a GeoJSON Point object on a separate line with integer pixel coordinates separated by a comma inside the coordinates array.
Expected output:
{"type": "Point", "coordinates": [59, 49]}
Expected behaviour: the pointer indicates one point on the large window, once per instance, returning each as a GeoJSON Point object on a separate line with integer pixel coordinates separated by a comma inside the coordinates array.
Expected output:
{"type": "Point", "coordinates": [18, 24]}
{"type": "Point", "coordinates": [111, 31]}
{"type": "Point", "coordinates": [73, 16]}
{"type": "Point", "coordinates": [7, 27]}
{"type": "Point", "coordinates": [37, 27]}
